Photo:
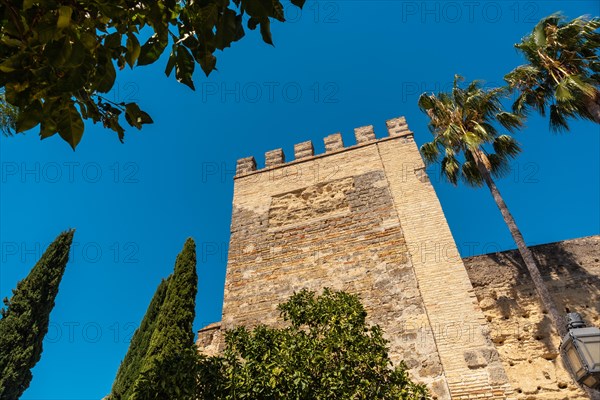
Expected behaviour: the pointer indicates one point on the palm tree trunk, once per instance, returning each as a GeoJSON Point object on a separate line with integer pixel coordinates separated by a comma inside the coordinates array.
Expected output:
{"type": "Point", "coordinates": [538, 281]}
{"type": "Point", "coordinates": [592, 104]}
{"type": "Point", "coordinates": [547, 302]}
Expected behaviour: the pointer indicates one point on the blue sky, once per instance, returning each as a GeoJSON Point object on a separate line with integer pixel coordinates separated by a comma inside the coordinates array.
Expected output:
{"type": "Point", "coordinates": [335, 66]}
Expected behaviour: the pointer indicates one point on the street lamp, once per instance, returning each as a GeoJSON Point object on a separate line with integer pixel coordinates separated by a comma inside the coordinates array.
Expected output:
{"type": "Point", "coordinates": [581, 345]}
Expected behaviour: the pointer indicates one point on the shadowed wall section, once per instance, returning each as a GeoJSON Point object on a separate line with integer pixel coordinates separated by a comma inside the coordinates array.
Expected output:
{"type": "Point", "coordinates": [521, 330]}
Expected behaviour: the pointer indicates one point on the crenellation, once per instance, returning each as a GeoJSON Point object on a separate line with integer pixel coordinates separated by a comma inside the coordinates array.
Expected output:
{"type": "Point", "coordinates": [245, 165]}
{"type": "Point", "coordinates": [304, 150]}
{"type": "Point", "coordinates": [274, 157]}
{"type": "Point", "coordinates": [397, 126]}
{"type": "Point", "coordinates": [333, 142]}
{"type": "Point", "coordinates": [364, 134]}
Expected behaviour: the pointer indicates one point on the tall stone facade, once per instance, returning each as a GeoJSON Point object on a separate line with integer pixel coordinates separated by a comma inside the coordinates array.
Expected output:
{"type": "Point", "coordinates": [363, 219]}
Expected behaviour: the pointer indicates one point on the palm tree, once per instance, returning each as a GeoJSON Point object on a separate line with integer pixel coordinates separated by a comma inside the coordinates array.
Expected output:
{"type": "Point", "coordinates": [472, 150]}
{"type": "Point", "coordinates": [562, 73]}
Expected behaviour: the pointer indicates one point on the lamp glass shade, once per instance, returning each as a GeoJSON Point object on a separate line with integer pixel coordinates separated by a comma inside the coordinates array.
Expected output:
{"type": "Point", "coordinates": [573, 358]}
{"type": "Point", "coordinates": [587, 342]}
{"type": "Point", "coordinates": [589, 347]}
{"type": "Point", "coordinates": [581, 347]}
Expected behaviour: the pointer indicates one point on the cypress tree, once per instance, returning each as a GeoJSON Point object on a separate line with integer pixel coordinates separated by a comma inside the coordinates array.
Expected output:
{"type": "Point", "coordinates": [169, 368]}
{"type": "Point", "coordinates": [25, 319]}
{"type": "Point", "coordinates": [130, 366]}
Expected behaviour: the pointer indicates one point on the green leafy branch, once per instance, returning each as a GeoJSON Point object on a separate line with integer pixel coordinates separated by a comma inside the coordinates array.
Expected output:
{"type": "Point", "coordinates": [57, 58]}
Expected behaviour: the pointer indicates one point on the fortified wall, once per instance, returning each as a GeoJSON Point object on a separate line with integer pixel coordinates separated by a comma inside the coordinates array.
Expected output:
{"type": "Point", "coordinates": [519, 327]}
{"type": "Point", "coordinates": [364, 219]}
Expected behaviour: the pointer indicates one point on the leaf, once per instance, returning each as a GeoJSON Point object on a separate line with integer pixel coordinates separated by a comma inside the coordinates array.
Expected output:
{"type": "Point", "coordinates": [265, 31]}
{"type": "Point", "coordinates": [229, 29]}
{"type": "Point", "coordinates": [430, 152]}
{"type": "Point", "coordinates": [64, 17]}
{"type": "Point", "coordinates": [135, 116]}
{"type": "Point", "coordinates": [113, 124]}
{"type": "Point", "coordinates": [29, 117]}
{"type": "Point", "coordinates": [77, 55]}
{"type": "Point", "coordinates": [510, 121]}
{"type": "Point", "coordinates": [27, 4]}
{"type": "Point", "coordinates": [298, 3]}
{"type": "Point", "coordinates": [58, 52]}
{"type": "Point", "coordinates": [539, 34]}
{"type": "Point", "coordinates": [506, 146]}
{"type": "Point", "coordinates": [170, 63]}
{"type": "Point", "coordinates": [425, 102]}
{"type": "Point", "coordinates": [558, 121]}
{"type": "Point", "coordinates": [11, 64]}
{"type": "Point", "coordinates": [472, 140]}
{"type": "Point", "coordinates": [88, 40]}
{"type": "Point", "coordinates": [113, 40]}
{"type": "Point", "coordinates": [253, 23]}
{"type": "Point", "coordinates": [11, 42]}
{"type": "Point", "coordinates": [48, 125]}
{"type": "Point", "coordinates": [107, 77]}
{"type": "Point", "coordinates": [133, 50]}
{"type": "Point", "coordinates": [208, 63]}
{"type": "Point", "coordinates": [47, 128]}
{"type": "Point", "coordinates": [586, 88]}
{"type": "Point", "coordinates": [70, 125]}
{"type": "Point", "coordinates": [184, 67]}
{"type": "Point", "coordinates": [562, 92]}
{"type": "Point", "coordinates": [47, 31]}
{"type": "Point", "coordinates": [152, 49]}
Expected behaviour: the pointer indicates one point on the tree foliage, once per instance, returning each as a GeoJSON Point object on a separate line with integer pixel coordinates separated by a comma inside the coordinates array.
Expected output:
{"type": "Point", "coordinates": [168, 369]}
{"type": "Point", "coordinates": [462, 123]}
{"type": "Point", "coordinates": [25, 319]}
{"type": "Point", "coordinates": [327, 351]}
{"type": "Point", "coordinates": [562, 71]}
{"type": "Point", "coordinates": [131, 365]}
{"type": "Point", "coordinates": [58, 57]}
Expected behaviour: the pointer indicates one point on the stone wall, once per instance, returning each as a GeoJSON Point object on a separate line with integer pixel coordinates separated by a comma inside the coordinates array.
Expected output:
{"type": "Point", "coordinates": [520, 328]}
{"type": "Point", "coordinates": [363, 219]}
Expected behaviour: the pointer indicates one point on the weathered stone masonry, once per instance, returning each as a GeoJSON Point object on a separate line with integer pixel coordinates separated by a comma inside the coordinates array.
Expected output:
{"type": "Point", "coordinates": [524, 337]}
{"type": "Point", "coordinates": [363, 219]}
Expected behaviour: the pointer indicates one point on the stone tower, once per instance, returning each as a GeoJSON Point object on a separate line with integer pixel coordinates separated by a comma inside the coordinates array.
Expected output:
{"type": "Point", "coordinates": [363, 219]}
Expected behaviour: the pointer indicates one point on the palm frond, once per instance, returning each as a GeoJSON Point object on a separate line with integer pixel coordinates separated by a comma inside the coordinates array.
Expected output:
{"type": "Point", "coordinates": [558, 119]}
{"type": "Point", "coordinates": [506, 147]}
{"type": "Point", "coordinates": [563, 92]}
{"type": "Point", "coordinates": [450, 169]}
{"type": "Point", "coordinates": [425, 102]}
{"type": "Point", "coordinates": [472, 141]}
{"type": "Point", "coordinates": [499, 167]}
{"type": "Point", "coordinates": [462, 122]}
{"type": "Point", "coordinates": [510, 121]}
{"type": "Point", "coordinates": [562, 66]}
{"type": "Point", "coordinates": [490, 129]}
{"type": "Point", "coordinates": [537, 99]}
{"type": "Point", "coordinates": [580, 84]}
{"type": "Point", "coordinates": [470, 174]}
{"type": "Point", "coordinates": [430, 152]}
